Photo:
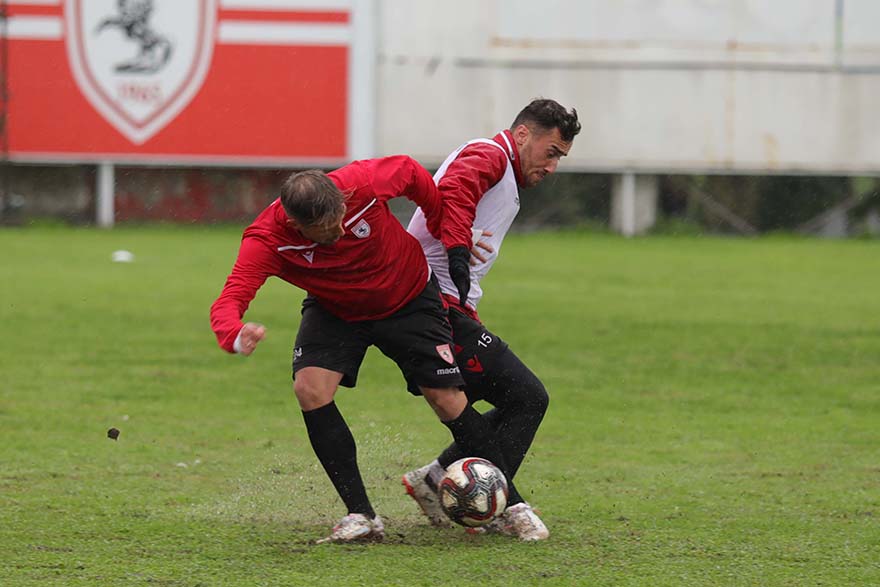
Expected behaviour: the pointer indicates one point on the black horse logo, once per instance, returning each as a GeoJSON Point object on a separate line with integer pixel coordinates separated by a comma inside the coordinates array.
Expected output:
{"type": "Point", "coordinates": [155, 50]}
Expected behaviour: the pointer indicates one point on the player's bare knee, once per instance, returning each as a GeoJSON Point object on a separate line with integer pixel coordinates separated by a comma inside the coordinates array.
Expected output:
{"type": "Point", "coordinates": [448, 403]}
{"type": "Point", "coordinates": [311, 396]}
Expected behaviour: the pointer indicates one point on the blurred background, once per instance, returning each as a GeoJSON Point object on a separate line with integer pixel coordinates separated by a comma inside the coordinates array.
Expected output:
{"type": "Point", "coordinates": [740, 117]}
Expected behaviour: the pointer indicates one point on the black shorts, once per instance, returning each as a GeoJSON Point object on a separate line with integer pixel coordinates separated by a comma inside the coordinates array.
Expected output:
{"type": "Point", "coordinates": [484, 358]}
{"type": "Point", "coordinates": [418, 337]}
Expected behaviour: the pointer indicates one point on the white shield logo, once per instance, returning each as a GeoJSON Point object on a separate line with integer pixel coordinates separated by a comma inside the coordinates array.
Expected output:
{"type": "Point", "coordinates": [362, 229]}
{"type": "Point", "coordinates": [445, 353]}
{"type": "Point", "coordinates": [140, 62]}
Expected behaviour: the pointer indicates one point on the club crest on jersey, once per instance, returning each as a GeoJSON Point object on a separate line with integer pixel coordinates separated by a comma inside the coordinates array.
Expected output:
{"type": "Point", "coordinates": [445, 353]}
{"type": "Point", "coordinates": [362, 229]}
{"type": "Point", "coordinates": [139, 63]}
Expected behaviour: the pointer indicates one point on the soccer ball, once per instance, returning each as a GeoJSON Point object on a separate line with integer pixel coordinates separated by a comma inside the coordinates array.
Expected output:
{"type": "Point", "coordinates": [473, 492]}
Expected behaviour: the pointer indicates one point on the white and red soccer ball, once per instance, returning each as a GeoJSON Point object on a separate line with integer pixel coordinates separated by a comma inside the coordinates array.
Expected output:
{"type": "Point", "coordinates": [473, 492]}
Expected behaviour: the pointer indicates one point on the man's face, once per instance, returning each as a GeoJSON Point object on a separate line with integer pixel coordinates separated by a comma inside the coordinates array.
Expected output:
{"type": "Point", "coordinates": [539, 152]}
{"type": "Point", "coordinates": [323, 234]}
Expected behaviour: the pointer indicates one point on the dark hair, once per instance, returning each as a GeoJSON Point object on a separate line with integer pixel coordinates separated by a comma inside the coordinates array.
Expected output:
{"type": "Point", "coordinates": [312, 198]}
{"type": "Point", "coordinates": [549, 114]}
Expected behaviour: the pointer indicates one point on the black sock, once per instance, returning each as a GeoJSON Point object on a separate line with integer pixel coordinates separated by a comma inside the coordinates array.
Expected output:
{"type": "Point", "coordinates": [475, 437]}
{"type": "Point", "coordinates": [452, 452]}
{"type": "Point", "coordinates": [334, 445]}
{"type": "Point", "coordinates": [519, 401]}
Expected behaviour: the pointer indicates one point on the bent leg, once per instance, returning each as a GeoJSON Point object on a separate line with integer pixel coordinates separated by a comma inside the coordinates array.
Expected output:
{"type": "Point", "coordinates": [470, 432]}
{"type": "Point", "coordinates": [315, 387]}
{"type": "Point", "coordinates": [520, 402]}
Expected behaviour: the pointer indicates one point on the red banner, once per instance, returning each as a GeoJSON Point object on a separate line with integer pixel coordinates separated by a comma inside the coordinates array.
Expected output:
{"type": "Point", "coordinates": [186, 81]}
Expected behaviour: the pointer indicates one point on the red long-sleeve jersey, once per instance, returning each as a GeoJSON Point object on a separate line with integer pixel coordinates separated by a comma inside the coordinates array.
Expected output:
{"type": "Point", "coordinates": [375, 269]}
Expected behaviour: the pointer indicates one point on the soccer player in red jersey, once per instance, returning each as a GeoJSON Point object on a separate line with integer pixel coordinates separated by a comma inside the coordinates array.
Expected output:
{"type": "Point", "coordinates": [479, 183]}
{"type": "Point", "coordinates": [368, 283]}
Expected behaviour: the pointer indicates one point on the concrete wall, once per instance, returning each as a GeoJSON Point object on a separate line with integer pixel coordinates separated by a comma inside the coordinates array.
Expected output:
{"type": "Point", "coordinates": [685, 85]}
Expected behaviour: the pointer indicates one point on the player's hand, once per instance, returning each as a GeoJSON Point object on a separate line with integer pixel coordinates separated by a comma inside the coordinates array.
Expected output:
{"type": "Point", "coordinates": [248, 337]}
{"type": "Point", "coordinates": [460, 272]}
{"type": "Point", "coordinates": [477, 255]}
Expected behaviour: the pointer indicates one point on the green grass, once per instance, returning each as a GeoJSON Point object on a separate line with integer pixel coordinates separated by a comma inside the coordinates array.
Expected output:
{"type": "Point", "coordinates": [714, 420]}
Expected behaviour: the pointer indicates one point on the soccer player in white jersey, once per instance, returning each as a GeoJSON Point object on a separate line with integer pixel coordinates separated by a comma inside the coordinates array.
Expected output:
{"type": "Point", "coordinates": [479, 183]}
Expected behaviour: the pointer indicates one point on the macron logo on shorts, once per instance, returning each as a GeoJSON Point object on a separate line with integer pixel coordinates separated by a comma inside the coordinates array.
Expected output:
{"type": "Point", "coordinates": [448, 371]}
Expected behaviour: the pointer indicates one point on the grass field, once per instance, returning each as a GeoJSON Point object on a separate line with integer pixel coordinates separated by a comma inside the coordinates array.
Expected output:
{"type": "Point", "coordinates": [714, 420]}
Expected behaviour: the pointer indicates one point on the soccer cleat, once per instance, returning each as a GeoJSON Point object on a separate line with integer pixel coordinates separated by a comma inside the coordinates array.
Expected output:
{"type": "Point", "coordinates": [520, 520]}
{"type": "Point", "coordinates": [417, 487]}
{"type": "Point", "coordinates": [356, 528]}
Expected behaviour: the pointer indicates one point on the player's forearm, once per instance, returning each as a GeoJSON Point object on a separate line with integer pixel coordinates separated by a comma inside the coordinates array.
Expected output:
{"type": "Point", "coordinates": [255, 264]}
{"type": "Point", "coordinates": [459, 210]}
{"type": "Point", "coordinates": [226, 314]}
{"type": "Point", "coordinates": [227, 311]}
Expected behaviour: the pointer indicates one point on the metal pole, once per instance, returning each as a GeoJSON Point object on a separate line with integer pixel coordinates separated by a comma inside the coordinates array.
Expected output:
{"type": "Point", "coordinates": [6, 194]}
{"type": "Point", "coordinates": [838, 34]}
{"type": "Point", "coordinates": [104, 208]}
{"type": "Point", "coordinates": [628, 204]}
{"type": "Point", "coordinates": [362, 81]}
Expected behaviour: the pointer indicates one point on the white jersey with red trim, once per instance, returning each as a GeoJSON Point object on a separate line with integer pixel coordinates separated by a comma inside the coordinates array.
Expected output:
{"type": "Point", "coordinates": [495, 212]}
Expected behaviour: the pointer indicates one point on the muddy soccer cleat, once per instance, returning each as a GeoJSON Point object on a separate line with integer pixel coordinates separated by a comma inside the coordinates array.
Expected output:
{"type": "Point", "coordinates": [416, 484]}
{"type": "Point", "coordinates": [520, 520]}
{"type": "Point", "coordinates": [356, 528]}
